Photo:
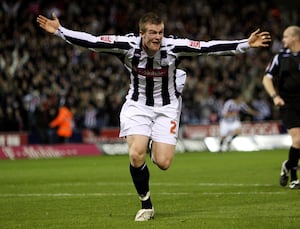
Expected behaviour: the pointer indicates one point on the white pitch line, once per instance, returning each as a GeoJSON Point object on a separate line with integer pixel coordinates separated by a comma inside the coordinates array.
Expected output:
{"type": "Point", "coordinates": [214, 184]}
{"type": "Point", "coordinates": [76, 194]}
{"type": "Point", "coordinates": [152, 184]}
{"type": "Point", "coordinates": [10, 195]}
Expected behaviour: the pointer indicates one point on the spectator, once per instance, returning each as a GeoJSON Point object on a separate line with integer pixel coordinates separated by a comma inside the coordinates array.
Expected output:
{"type": "Point", "coordinates": [64, 123]}
{"type": "Point", "coordinates": [91, 118]}
{"type": "Point", "coordinates": [41, 122]}
{"type": "Point", "coordinates": [262, 105]}
{"type": "Point", "coordinates": [10, 121]}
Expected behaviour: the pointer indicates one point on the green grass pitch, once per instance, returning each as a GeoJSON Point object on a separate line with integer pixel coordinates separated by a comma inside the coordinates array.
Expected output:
{"type": "Point", "coordinates": [200, 190]}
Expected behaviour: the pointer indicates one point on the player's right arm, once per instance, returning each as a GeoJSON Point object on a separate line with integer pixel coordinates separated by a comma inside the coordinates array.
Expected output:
{"type": "Point", "coordinates": [105, 43]}
{"type": "Point", "coordinates": [51, 26]}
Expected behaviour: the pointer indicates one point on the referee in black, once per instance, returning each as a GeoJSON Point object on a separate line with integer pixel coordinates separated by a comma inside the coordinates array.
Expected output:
{"type": "Point", "coordinates": [282, 82]}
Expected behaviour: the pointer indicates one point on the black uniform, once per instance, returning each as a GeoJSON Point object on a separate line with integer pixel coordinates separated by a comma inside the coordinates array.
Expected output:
{"type": "Point", "coordinates": [285, 71]}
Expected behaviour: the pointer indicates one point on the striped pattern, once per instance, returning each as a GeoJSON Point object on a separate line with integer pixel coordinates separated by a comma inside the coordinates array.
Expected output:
{"type": "Point", "coordinates": [153, 81]}
{"type": "Point", "coordinates": [233, 108]}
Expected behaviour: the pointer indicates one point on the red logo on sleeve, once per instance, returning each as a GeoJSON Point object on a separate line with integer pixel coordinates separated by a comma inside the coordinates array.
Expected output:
{"type": "Point", "coordinates": [106, 39]}
{"type": "Point", "coordinates": [194, 44]}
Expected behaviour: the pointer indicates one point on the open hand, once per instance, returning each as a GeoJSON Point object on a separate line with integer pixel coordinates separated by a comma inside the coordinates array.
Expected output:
{"type": "Point", "coordinates": [259, 39]}
{"type": "Point", "coordinates": [50, 25]}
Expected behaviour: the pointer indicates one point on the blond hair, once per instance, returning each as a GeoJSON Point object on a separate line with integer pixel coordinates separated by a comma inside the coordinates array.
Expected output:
{"type": "Point", "coordinates": [149, 18]}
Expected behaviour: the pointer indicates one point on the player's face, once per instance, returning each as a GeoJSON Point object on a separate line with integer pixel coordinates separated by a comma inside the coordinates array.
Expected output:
{"type": "Point", "coordinates": [152, 38]}
{"type": "Point", "coordinates": [287, 38]}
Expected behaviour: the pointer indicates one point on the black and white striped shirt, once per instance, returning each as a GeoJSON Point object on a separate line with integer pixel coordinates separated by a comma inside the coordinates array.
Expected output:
{"type": "Point", "coordinates": [153, 80]}
{"type": "Point", "coordinates": [231, 110]}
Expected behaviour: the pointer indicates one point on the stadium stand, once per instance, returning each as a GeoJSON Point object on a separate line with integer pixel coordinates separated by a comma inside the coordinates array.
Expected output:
{"type": "Point", "coordinates": [39, 73]}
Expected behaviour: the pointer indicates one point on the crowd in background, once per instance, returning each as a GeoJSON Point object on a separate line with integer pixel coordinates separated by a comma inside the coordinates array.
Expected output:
{"type": "Point", "coordinates": [39, 72]}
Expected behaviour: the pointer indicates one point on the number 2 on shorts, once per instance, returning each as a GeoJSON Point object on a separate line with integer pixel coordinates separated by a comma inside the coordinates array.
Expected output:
{"type": "Point", "coordinates": [173, 127]}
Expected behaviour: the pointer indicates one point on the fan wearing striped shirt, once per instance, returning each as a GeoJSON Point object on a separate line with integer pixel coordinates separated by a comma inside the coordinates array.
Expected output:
{"type": "Point", "coordinates": [153, 103]}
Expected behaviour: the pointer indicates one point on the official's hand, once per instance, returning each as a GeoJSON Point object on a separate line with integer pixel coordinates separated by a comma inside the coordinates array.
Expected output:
{"type": "Point", "coordinates": [278, 101]}
{"type": "Point", "coordinates": [49, 25]}
{"type": "Point", "coordinates": [259, 39]}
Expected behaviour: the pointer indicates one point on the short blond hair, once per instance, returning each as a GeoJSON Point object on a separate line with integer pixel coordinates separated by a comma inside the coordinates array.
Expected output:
{"type": "Point", "coordinates": [149, 18]}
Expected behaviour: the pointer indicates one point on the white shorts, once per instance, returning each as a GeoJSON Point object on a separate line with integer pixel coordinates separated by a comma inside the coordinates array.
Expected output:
{"type": "Point", "coordinates": [227, 127]}
{"type": "Point", "coordinates": [158, 123]}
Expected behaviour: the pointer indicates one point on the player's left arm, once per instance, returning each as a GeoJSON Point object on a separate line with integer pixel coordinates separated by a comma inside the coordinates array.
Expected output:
{"type": "Point", "coordinates": [187, 47]}
{"type": "Point", "coordinates": [259, 39]}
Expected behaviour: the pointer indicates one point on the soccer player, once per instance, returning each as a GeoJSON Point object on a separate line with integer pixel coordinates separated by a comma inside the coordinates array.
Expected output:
{"type": "Point", "coordinates": [230, 123]}
{"type": "Point", "coordinates": [282, 82]}
{"type": "Point", "coordinates": [152, 108]}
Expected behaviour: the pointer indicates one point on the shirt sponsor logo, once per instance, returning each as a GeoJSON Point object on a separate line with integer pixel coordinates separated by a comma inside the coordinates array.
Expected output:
{"type": "Point", "coordinates": [194, 44]}
{"type": "Point", "coordinates": [151, 72]}
{"type": "Point", "coordinates": [106, 39]}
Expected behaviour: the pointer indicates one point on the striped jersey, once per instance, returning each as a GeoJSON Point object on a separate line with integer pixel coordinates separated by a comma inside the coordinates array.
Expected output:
{"type": "Point", "coordinates": [152, 78]}
{"type": "Point", "coordinates": [231, 110]}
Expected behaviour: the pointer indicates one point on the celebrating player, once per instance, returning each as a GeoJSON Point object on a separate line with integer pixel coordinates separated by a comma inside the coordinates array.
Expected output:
{"type": "Point", "coordinates": [152, 108]}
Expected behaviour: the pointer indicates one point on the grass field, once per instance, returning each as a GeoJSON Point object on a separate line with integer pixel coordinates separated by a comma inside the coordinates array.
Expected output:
{"type": "Point", "coordinates": [200, 190]}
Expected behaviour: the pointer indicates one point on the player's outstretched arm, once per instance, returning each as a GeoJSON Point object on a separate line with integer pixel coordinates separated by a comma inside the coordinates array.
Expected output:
{"type": "Point", "coordinates": [259, 39]}
{"type": "Point", "coordinates": [49, 25]}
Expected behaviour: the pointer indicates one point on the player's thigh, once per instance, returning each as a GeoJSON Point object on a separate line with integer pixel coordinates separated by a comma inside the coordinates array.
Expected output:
{"type": "Point", "coordinates": [166, 124]}
{"type": "Point", "coordinates": [135, 119]}
{"type": "Point", "coordinates": [290, 115]}
{"type": "Point", "coordinates": [224, 128]}
{"type": "Point", "coordinates": [236, 127]}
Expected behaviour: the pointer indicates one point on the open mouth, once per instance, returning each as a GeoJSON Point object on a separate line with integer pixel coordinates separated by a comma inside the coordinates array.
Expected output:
{"type": "Point", "coordinates": [156, 43]}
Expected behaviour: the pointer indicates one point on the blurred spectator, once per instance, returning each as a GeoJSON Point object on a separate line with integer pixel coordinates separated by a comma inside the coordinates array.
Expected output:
{"type": "Point", "coordinates": [262, 105]}
{"type": "Point", "coordinates": [10, 120]}
{"type": "Point", "coordinates": [11, 7]}
{"type": "Point", "coordinates": [114, 105]}
{"type": "Point", "coordinates": [41, 122]}
{"type": "Point", "coordinates": [91, 118]}
{"type": "Point", "coordinates": [63, 123]}
{"type": "Point", "coordinates": [35, 68]}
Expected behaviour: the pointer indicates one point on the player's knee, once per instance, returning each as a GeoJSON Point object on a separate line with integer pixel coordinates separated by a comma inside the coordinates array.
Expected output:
{"type": "Point", "coordinates": [164, 165]}
{"type": "Point", "coordinates": [163, 156]}
{"type": "Point", "coordinates": [296, 144]}
{"type": "Point", "coordinates": [296, 141]}
{"type": "Point", "coordinates": [136, 158]}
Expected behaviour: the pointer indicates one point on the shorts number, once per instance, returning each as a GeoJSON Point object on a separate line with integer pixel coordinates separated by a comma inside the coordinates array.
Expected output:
{"type": "Point", "coordinates": [173, 127]}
